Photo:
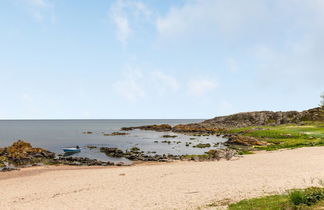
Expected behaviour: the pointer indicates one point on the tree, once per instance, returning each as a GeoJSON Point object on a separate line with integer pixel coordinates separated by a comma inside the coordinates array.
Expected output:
{"type": "Point", "coordinates": [322, 101]}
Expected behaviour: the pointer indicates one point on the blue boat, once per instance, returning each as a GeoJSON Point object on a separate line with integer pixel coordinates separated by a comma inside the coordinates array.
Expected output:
{"type": "Point", "coordinates": [72, 149]}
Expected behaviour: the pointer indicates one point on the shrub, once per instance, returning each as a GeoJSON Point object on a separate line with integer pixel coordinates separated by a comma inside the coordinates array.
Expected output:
{"type": "Point", "coordinates": [297, 197]}
{"type": "Point", "coordinates": [309, 196]}
{"type": "Point", "coordinates": [313, 195]}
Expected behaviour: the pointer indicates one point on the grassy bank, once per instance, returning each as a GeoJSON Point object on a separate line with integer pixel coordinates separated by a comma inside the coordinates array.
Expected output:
{"type": "Point", "coordinates": [310, 198]}
{"type": "Point", "coordinates": [285, 136]}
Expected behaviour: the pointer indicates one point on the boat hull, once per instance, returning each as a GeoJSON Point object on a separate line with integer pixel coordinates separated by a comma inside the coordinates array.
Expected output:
{"type": "Point", "coordinates": [70, 150]}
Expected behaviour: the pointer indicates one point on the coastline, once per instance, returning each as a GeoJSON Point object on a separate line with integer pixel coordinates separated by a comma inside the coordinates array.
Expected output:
{"type": "Point", "coordinates": [35, 170]}
{"type": "Point", "coordinates": [175, 185]}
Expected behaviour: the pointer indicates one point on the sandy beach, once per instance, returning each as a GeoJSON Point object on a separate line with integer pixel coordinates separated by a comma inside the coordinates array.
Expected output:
{"type": "Point", "coordinates": [178, 185]}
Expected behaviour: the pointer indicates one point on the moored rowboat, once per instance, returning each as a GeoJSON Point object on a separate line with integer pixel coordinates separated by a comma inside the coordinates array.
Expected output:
{"type": "Point", "coordinates": [72, 149]}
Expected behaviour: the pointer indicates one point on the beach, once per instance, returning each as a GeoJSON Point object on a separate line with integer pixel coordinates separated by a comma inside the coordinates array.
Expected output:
{"type": "Point", "coordinates": [176, 185]}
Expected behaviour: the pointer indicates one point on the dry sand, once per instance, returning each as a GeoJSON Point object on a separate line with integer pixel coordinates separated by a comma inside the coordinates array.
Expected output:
{"type": "Point", "coordinates": [179, 185]}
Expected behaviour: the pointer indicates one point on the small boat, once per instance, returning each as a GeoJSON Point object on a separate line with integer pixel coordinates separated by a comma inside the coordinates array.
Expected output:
{"type": "Point", "coordinates": [72, 149]}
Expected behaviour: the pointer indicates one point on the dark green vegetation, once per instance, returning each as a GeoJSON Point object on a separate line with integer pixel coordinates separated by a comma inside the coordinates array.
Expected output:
{"type": "Point", "coordinates": [285, 136]}
{"type": "Point", "coordinates": [309, 198]}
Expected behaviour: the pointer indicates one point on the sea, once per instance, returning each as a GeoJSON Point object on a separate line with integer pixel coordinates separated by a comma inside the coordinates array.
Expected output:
{"type": "Point", "coordinates": [54, 135]}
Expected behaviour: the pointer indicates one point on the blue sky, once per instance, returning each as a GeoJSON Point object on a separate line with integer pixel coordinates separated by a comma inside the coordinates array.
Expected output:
{"type": "Point", "coordinates": [110, 59]}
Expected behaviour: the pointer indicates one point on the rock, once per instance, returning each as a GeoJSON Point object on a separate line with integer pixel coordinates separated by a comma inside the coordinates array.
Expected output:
{"type": "Point", "coordinates": [161, 127]}
{"type": "Point", "coordinates": [168, 142]}
{"type": "Point", "coordinates": [262, 118]}
{"type": "Point", "coordinates": [116, 134]}
{"type": "Point", "coordinates": [227, 154]}
{"type": "Point", "coordinates": [169, 136]}
{"type": "Point", "coordinates": [81, 161]}
{"type": "Point", "coordinates": [22, 153]}
{"type": "Point", "coordinates": [196, 128]}
{"type": "Point", "coordinates": [245, 141]}
{"type": "Point", "coordinates": [9, 168]}
{"type": "Point", "coordinates": [87, 132]}
{"type": "Point", "coordinates": [200, 145]}
{"type": "Point", "coordinates": [120, 164]}
{"type": "Point", "coordinates": [112, 152]}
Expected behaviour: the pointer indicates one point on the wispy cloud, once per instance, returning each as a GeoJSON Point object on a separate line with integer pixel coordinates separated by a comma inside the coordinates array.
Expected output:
{"type": "Point", "coordinates": [130, 86]}
{"type": "Point", "coordinates": [200, 87]}
{"type": "Point", "coordinates": [200, 16]}
{"type": "Point", "coordinates": [41, 10]}
{"type": "Point", "coordinates": [137, 83]}
{"type": "Point", "coordinates": [123, 13]}
{"type": "Point", "coordinates": [165, 81]}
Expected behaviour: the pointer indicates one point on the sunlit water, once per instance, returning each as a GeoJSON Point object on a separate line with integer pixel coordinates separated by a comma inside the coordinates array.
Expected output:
{"type": "Point", "coordinates": [56, 134]}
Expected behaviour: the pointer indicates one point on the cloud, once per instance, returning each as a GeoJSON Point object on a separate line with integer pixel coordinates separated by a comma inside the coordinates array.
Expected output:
{"type": "Point", "coordinates": [124, 13]}
{"type": "Point", "coordinates": [130, 86]}
{"type": "Point", "coordinates": [277, 42]}
{"type": "Point", "coordinates": [201, 87]}
{"type": "Point", "coordinates": [199, 16]}
{"type": "Point", "coordinates": [166, 81]}
{"type": "Point", "coordinates": [137, 83]}
{"type": "Point", "coordinates": [41, 10]}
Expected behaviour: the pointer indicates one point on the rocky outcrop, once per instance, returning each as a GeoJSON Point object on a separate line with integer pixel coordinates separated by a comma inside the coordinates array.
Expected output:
{"type": "Point", "coordinates": [80, 161]}
{"type": "Point", "coordinates": [162, 128]}
{"type": "Point", "coordinates": [213, 155]}
{"type": "Point", "coordinates": [196, 128]}
{"type": "Point", "coordinates": [22, 153]}
{"type": "Point", "coordinates": [262, 118]}
{"type": "Point", "coordinates": [135, 154]}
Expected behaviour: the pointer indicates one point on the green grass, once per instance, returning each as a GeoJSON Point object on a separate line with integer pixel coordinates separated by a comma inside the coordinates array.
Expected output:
{"type": "Point", "coordinates": [273, 202]}
{"type": "Point", "coordinates": [286, 136]}
{"type": "Point", "coordinates": [302, 199]}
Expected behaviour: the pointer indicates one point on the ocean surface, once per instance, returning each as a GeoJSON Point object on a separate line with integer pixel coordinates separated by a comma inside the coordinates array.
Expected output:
{"type": "Point", "coordinates": [56, 134]}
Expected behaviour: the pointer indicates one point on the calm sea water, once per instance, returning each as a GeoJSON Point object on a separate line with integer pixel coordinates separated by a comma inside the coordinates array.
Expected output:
{"type": "Point", "coordinates": [56, 134]}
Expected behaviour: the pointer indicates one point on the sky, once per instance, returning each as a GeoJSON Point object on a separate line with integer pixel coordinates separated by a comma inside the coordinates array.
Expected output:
{"type": "Point", "coordinates": [145, 59]}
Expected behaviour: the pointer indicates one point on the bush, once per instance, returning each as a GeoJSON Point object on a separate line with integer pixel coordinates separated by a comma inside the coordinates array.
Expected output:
{"type": "Point", "coordinates": [297, 197]}
{"type": "Point", "coordinates": [309, 196]}
{"type": "Point", "coordinates": [313, 195]}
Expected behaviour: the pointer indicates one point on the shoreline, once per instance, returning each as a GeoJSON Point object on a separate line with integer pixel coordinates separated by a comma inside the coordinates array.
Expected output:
{"type": "Point", "coordinates": [175, 185]}
{"type": "Point", "coordinates": [35, 170]}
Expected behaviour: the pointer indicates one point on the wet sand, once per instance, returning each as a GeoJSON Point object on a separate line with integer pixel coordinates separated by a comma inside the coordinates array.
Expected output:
{"type": "Point", "coordinates": [178, 185]}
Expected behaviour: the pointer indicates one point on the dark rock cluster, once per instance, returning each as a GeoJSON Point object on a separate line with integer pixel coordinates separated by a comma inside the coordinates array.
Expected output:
{"type": "Point", "coordinates": [115, 134]}
{"type": "Point", "coordinates": [22, 154]}
{"type": "Point", "coordinates": [135, 154]}
{"type": "Point", "coordinates": [162, 128]}
{"type": "Point", "coordinates": [79, 161]}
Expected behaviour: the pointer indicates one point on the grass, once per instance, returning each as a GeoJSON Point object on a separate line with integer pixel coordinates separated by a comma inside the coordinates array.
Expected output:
{"type": "Point", "coordinates": [309, 198]}
{"type": "Point", "coordinates": [273, 202]}
{"type": "Point", "coordinates": [286, 136]}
